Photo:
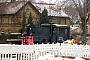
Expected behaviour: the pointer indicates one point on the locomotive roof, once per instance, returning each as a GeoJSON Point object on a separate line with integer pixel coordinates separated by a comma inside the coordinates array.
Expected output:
{"type": "Point", "coordinates": [61, 25]}
{"type": "Point", "coordinates": [57, 25]}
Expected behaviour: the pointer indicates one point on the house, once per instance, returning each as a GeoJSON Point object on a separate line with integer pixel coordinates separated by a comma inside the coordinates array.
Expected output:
{"type": "Point", "coordinates": [11, 15]}
{"type": "Point", "coordinates": [57, 16]}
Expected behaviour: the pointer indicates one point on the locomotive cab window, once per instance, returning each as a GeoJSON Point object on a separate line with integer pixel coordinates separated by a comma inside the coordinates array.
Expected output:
{"type": "Point", "coordinates": [54, 30]}
{"type": "Point", "coordinates": [62, 30]}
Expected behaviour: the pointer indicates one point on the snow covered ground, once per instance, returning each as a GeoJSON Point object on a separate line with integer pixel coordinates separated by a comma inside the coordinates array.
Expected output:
{"type": "Point", "coordinates": [51, 57]}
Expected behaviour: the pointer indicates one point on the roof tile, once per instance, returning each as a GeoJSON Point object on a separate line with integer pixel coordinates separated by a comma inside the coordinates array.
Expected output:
{"type": "Point", "coordinates": [11, 7]}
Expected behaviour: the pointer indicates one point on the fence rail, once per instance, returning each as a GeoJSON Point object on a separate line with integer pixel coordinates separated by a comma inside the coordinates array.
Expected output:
{"type": "Point", "coordinates": [32, 52]}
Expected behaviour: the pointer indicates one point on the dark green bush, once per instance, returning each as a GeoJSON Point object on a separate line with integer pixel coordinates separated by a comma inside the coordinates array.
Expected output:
{"type": "Point", "coordinates": [3, 38]}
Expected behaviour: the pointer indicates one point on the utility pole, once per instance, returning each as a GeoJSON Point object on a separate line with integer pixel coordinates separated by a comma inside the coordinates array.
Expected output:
{"type": "Point", "coordinates": [85, 15]}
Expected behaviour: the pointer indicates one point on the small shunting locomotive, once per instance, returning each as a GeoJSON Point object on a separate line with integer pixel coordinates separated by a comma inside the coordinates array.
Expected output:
{"type": "Point", "coordinates": [46, 33]}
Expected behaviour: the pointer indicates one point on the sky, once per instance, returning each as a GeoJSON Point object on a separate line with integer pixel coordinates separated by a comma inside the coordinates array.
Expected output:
{"type": "Point", "coordinates": [50, 1]}
{"type": "Point", "coordinates": [54, 1]}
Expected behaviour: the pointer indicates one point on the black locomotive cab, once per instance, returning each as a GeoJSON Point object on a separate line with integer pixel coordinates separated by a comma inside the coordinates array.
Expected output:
{"type": "Point", "coordinates": [61, 33]}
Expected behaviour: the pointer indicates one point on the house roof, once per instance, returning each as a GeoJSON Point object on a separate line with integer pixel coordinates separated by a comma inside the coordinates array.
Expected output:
{"type": "Point", "coordinates": [52, 9]}
{"type": "Point", "coordinates": [11, 7]}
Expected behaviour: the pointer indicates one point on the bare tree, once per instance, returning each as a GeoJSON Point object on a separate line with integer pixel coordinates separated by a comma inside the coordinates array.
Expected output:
{"type": "Point", "coordinates": [79, 8]}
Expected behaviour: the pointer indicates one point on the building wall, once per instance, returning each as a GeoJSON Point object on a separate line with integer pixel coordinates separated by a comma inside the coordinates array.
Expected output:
{"type": "Point", "coordinates": [61, 20]}
{"type": "Point", "coordinates": [12, 23]}
{"type": "Point", "coordinates": [35, 16]}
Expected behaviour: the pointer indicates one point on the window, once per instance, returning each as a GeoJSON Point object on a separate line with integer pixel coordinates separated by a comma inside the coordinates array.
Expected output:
{"type": "Point", "coordinates": [54, 30]}
{"type": "Point", "coordinates": [2, 20]}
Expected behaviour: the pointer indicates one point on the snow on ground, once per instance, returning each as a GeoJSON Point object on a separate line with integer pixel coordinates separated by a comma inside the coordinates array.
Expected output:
{"type": "Point", "coordinates": [51, 57]}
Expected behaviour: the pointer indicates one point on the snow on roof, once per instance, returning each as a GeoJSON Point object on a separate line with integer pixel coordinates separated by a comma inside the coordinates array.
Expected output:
{"type": "Point", "coordinates": [73, 28]}
{"type": "Point", "coordinates": [64, 14]}
{"type": "Point", "coordinates": [59, 25]}
{"type": "Point", "coordinates": [52, 9]}
{"type": "Point", "coordinates": [15, 33]}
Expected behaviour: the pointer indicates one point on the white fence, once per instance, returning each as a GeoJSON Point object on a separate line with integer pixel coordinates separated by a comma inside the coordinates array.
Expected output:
{"type": "Point", "coordinates": [75, 50]}
{"type": "Point", "coordinates": [32, 52]}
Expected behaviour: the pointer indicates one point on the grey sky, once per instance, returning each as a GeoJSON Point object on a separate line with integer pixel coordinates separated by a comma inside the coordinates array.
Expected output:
{"type": "Point", "coordinates": [50, 1]}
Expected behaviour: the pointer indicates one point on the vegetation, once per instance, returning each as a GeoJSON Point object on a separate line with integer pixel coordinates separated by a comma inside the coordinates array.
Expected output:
{"type": "Point", "coordinates": [84, 14]}
{"type": "Point", "coordinates": [23, 23]}
{"type": "Point", "coordinates": [30, 19]}
{"type": "Point", "coordinates": [44, 17]}
{"type": "Point", "coordinates": [79, 9]}
{"type": "Point", "coordinates": [3, 38]}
